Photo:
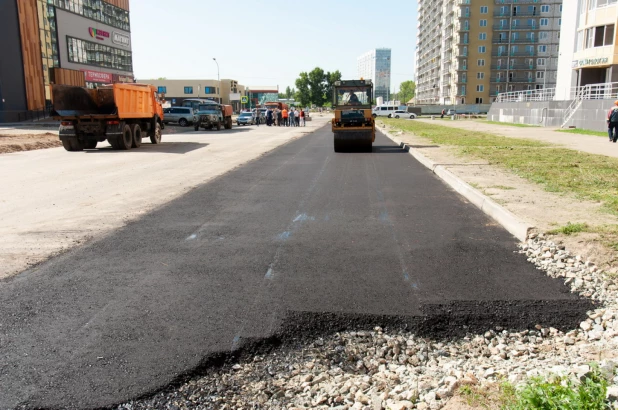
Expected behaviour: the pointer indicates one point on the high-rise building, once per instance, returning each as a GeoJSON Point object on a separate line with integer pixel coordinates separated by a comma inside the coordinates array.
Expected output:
{"type": "Point", "coordinates": [376, 65]}
{"type": "Point", "coordinates": [468, 51]}
{"type": "Point", "coordinates": [75, 42]}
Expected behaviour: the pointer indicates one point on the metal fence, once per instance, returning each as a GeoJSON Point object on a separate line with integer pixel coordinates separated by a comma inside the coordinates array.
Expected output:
{"type": "Point", "coordinates": [601, 91]}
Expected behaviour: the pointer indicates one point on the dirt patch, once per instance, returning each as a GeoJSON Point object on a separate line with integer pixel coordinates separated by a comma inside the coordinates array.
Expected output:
{"type": "Point", "coordinates": [28, 142]}
{"type": "Point", "coordinates": [545, 210]}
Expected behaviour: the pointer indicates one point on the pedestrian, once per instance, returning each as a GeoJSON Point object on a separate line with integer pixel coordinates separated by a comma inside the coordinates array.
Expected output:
{"type": "Point", "coordinates": [291, 117]}
{"type": "Point", "coordinates": [443, 112]}
{"type": "Point", "coordinates": [612, 122]}
{"type": "Point", "coordinates": [284, 114]}
{"type": "Point", "coordinates": [269, 117]}
{"type": "Point", "coordinates": [279, 117]}
{"type": "Point", "coordinates": [257, 117]}
{"type": "Point", "coordinates": [297, 117]}
{"type": "Point", "coordinates": [302, 116]}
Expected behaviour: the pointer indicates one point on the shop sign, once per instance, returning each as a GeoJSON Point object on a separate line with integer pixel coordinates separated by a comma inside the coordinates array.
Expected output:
{"type": "Point", "coordinates": [590, 61]}
{"type": "Point", "coordinates": [98, 77]}
{"type": "Point", "coordinates": [121, 39]}
{"type": "Point", "coordinates": [119, 78]}
{"type": "Point", "coordinates": [98, 33]}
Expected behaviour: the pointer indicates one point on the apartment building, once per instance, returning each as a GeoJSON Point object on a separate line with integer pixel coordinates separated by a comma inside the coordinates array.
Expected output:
{"type": "Point", "coordinates": [468, 51]}
{"type": "Point", "coordinates": [376, 65]}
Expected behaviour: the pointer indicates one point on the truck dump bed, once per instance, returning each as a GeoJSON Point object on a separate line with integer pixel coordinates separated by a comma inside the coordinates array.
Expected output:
{"type": "Point", "coordinates": [118, 100]}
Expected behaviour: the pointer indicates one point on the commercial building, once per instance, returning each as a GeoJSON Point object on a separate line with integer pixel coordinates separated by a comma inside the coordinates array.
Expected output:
{"type": "Point", "coordinates": [588, 53]}
{"type": "Point", "coordinates": [77, 42]}
{"type": "Point", "coordinates": [376, 65]}
{"type": "Point", "coordinates": [468, 51]}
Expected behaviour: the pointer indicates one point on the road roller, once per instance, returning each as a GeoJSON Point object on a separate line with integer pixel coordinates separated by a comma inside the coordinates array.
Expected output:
{"type": "Point", "coordinates": [353, 126]}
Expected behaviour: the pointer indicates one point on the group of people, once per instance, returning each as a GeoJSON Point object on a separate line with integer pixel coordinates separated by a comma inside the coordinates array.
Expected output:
{"type": "Point", "coordinates": [285, 118]}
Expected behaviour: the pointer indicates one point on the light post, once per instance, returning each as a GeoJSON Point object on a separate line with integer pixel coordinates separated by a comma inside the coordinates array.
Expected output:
{"type": "Point", "coordinates": [218, 80]}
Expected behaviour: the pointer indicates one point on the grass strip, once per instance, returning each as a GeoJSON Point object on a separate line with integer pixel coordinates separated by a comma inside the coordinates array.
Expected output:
{"type": "Point", "coordinates": [561, 170]}
{"type": "Point", "coordinates": [584, 132]}
{"type": "Point", "coordinates": [512, 124]}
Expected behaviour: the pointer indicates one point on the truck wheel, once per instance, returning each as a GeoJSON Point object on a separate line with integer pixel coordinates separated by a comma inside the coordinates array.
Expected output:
{"type": "Point", "coordinates": [90, 144]}
{"type": "Point", "coordinates": [156, 137]}
{"type": "Point", "coordinates": [137, 136]}
{"type": "Point", "coordinates": [125, 141]}
{"type": "Point", "coordinates": [374, 115]}
{"type": "Point", "coordinates": [218, 126]}
{"type": "Point", "coordinates": [72, 144]}
{"type": "Point", "coordinates": [182, 122]}
{"type": "Point", "coordinates": [228, 124]}
{"type": "Point", "coordinates": [196, 127]}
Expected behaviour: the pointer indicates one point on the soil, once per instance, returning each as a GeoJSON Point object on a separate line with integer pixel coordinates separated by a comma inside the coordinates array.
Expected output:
{"type": "Point", "coordinates": [28, 142]}
{"type": "Point", "coordinates": [545, 210]}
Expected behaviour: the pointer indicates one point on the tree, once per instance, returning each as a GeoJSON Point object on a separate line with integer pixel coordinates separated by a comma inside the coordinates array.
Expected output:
{"type": "Point", "coordinates": [317, 86]}
{"type": "Point", "coordinates": [407, 91]}
{"type": "Point", "coordinates": [330, 79]}
{"type": "Point", "coordinates": [303, 94]}
{"type": "Point", "coordinates": [288, 92]}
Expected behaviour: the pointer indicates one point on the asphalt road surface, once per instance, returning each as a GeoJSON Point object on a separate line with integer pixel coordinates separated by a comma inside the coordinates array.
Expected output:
{"type": "Point", "coordinates": [298, 242]}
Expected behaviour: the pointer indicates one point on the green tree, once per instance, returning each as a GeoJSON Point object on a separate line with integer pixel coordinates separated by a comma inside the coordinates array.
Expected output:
{"type": "Point", "coordinates": [407, 91]}
{"type": "Point", "coordinates": [303, 94]}
{"type": "Point", "coordinates": [317, 86]}
{"type": "Point", "coordinates": [330, 79]}
{"type": "Point", "coordinates": [288, 92]}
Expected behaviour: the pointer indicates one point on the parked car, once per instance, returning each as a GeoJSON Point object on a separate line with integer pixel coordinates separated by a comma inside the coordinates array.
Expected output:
{"type": "Point", "coordinates": [245, 118]}
{"type": "Point", "coordinates": [384, 111]}
{"type": "Point", "coordinates": [182, 115]}
{"type": "Point", "coordinates": [451, 112]}
{"type": "Point", "coordinates": [403, 114]}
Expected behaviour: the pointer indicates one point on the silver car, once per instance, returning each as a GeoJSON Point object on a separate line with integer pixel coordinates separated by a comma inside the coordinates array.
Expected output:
{"type": "Point", "coordinates": [245, 118]}
{"type": "Point", "coordinates": [182, 115]}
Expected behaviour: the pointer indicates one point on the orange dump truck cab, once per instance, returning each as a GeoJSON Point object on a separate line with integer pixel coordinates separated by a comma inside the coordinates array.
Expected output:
{"type": "Point", "coordinates": [121, 113]}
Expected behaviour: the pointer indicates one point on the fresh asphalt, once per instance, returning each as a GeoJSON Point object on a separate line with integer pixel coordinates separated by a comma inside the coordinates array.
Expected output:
{"type": "Point", "coordinates": [296, 243]}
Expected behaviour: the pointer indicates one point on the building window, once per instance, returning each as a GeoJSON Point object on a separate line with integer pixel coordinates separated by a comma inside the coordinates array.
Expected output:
{"type": "Point", "coordinates": [480, 62]}
{"type": "Point", "coordinates": [482, 36]}
{"type": "Point", "coordinates": [98, 10]}
{"type": "Point", "coordinates": [188, 90]}
{"type": "Point", "coordinates": [545, 8]}
{"type": "Point", "coordinates": [462, 90]}
{"type": "Point", "coordinates": [481, 49]}
{"type": "Point", "coordinates": [559, 22]}
{"type": "Point", "coordinates": [540, 75]}
{"type": "Point", "coordinates": [542, 49]}
{"type": "Point", "coordinates": [543, 35]}
{"type": "Point", "coordinates": [544, 22]}
{"type": "Point", "coordinates": [532, 23]}
{"type": "Point", "coordinates": [540, 61]}
{"type": "Point", "coordinates": [480, 76]}
{"type": "Point", "coordinates": [99, 55]}
{"type": "Point", "coordinates": [479, 100]}
{"type": "Point", "coordinates": [210, 90]}
{"type": "Point", "coordinates": [162, 89]}
{"type": "Point", "coordinates": [483, 23]}
{"type": "Point", "coordinates": [484, 9]}
{"type": "Point", "coordinates": [480, 88]}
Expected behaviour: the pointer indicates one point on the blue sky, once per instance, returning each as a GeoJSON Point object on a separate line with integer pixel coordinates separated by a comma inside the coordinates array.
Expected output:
{"type": "Point", "coordinates": [268, 43]}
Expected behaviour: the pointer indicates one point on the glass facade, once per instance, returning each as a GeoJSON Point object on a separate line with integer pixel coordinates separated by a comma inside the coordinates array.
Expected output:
{"type": "Point", "coordinates": [99, 55]}
{"type": "Point", "coordinates": [383, 73]}
{"type": "Point", "coordinates": [96, 10]}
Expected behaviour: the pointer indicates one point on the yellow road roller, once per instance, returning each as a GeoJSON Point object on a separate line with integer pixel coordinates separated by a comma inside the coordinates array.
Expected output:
{"type": "Point", "coordinates": [353, 126]}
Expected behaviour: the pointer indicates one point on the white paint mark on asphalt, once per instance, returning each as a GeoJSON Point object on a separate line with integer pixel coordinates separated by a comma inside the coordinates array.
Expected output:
{"type": "Point", "coordinates": [191, 237]}
{"type": "Point", "coordinates": [303, 218]}
{"type": "Point", "coordinates": [269, 274]}
{"type": "Point", "coordinates": [284, 235]}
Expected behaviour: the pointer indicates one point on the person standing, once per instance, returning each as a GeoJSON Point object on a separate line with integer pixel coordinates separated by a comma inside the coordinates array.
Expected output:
{"type": "Point", "coordinates": [443, 112]}
{"type": "Point", "coordinates": [279, 117]}
{"type": "Point", "coordinates": [269, 117]}
{"type": "Point", "coordinates": [284, 114]}
{"type": "Point", "coordinates": [297, 117]}
{"type": "Point", "coordinates": [612, 122]}
{"type": "Point", "coordinates": [257, 117]}
{"type": "Point", "coordinates": [291, 117]}
{"type": "Point", "coordinates": [302, 116]}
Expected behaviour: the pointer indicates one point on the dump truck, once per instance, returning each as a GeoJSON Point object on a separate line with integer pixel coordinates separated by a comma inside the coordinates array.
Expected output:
{"type": "Point", "coordinates": [121, 113]}
{"type": "Point", "coordinates": [209, 116]}
{"type": "Point", "coordinates": [353, 125]}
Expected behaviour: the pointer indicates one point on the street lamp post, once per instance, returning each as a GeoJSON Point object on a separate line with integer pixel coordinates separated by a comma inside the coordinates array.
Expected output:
{"type": "Point", "coordinates": [218, 80]}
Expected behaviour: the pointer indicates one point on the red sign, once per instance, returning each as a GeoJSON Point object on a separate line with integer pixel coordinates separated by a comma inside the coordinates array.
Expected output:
{"type": "Point", "coordinates": [97, 76]}
{"type": "Point", "coordinates": [98, 33]}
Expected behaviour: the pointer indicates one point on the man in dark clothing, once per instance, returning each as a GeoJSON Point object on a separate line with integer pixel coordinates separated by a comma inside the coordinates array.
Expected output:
{"type": "Point", "coordinates": [612, 122]}
{"type": "Point", "coordinates": [443, 112]}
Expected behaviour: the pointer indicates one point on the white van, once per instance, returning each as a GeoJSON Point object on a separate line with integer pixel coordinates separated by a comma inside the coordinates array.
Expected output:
{"type": "Point", "coordinates": [384, 111]}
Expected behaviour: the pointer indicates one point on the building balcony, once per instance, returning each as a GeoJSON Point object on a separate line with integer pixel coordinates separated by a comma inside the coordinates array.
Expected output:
{"type": "Point", "coordinates": [512, 80]}
{"type": "Point", "coordinates": [512, 53]}
{"type": "Point", "coordinates": [515, 41]}
{"type": "Point", "coordinates": [462, 68]}
{"type": "Point", "coordinates": [520, 13]}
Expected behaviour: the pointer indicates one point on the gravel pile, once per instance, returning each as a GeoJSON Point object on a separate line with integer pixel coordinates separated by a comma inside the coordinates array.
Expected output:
{"type": "Point", "coordinates": [375, 370]}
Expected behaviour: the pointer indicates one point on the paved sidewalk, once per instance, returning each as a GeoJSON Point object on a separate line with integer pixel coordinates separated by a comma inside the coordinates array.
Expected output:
{"type": "Point", "coordinates": [587, 143]}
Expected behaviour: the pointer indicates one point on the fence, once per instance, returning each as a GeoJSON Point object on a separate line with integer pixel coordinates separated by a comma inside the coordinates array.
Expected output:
{"type": "Point", "coordinates": [28, 115]}
{"type": "Point", "coordinates": [601, 91]}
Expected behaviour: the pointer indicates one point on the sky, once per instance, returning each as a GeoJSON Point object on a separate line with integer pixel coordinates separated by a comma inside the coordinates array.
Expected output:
{"type": "Point", "coordinates": [268, 43]}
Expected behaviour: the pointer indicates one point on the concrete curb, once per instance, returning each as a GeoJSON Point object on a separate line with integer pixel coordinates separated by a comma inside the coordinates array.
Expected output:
{"type": "Point", "coordinates": [508, 220]}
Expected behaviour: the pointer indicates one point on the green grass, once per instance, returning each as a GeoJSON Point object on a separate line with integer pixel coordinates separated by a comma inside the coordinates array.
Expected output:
{"type": "Point", "coordinates": [587, 176]}
{"type": "Point", "coordinates": [570, 229]}
{"type": "Point", "coordinates": [584, 132]}
{"type": "Point", "coordinates": [512, 124]}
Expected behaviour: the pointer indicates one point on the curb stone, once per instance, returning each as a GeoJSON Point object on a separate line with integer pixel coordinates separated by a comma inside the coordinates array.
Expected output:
{"type": "Point", "coordinates": [518, 228]}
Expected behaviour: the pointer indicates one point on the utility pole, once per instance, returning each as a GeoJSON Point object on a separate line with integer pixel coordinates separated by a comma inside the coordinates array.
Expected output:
{"type": "Point", "coordinates": [218, 80]}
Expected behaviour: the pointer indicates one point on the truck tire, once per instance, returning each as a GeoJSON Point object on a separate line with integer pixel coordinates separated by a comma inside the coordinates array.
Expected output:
{"type": "Point", "coordinates": [218, 126]}
{"type": "Point", "coordinates": [72, 144]}
{"type": "Point", "coordinates": [228, 123]}
{"type": "Point", "coordinates": [156, 137]}
{"type": "Point", "coordinates": [125, 141]}
{"type": "Point", "coordinates": [137, 136]}
{"type": "Point", "coordinates": [90, 144]}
